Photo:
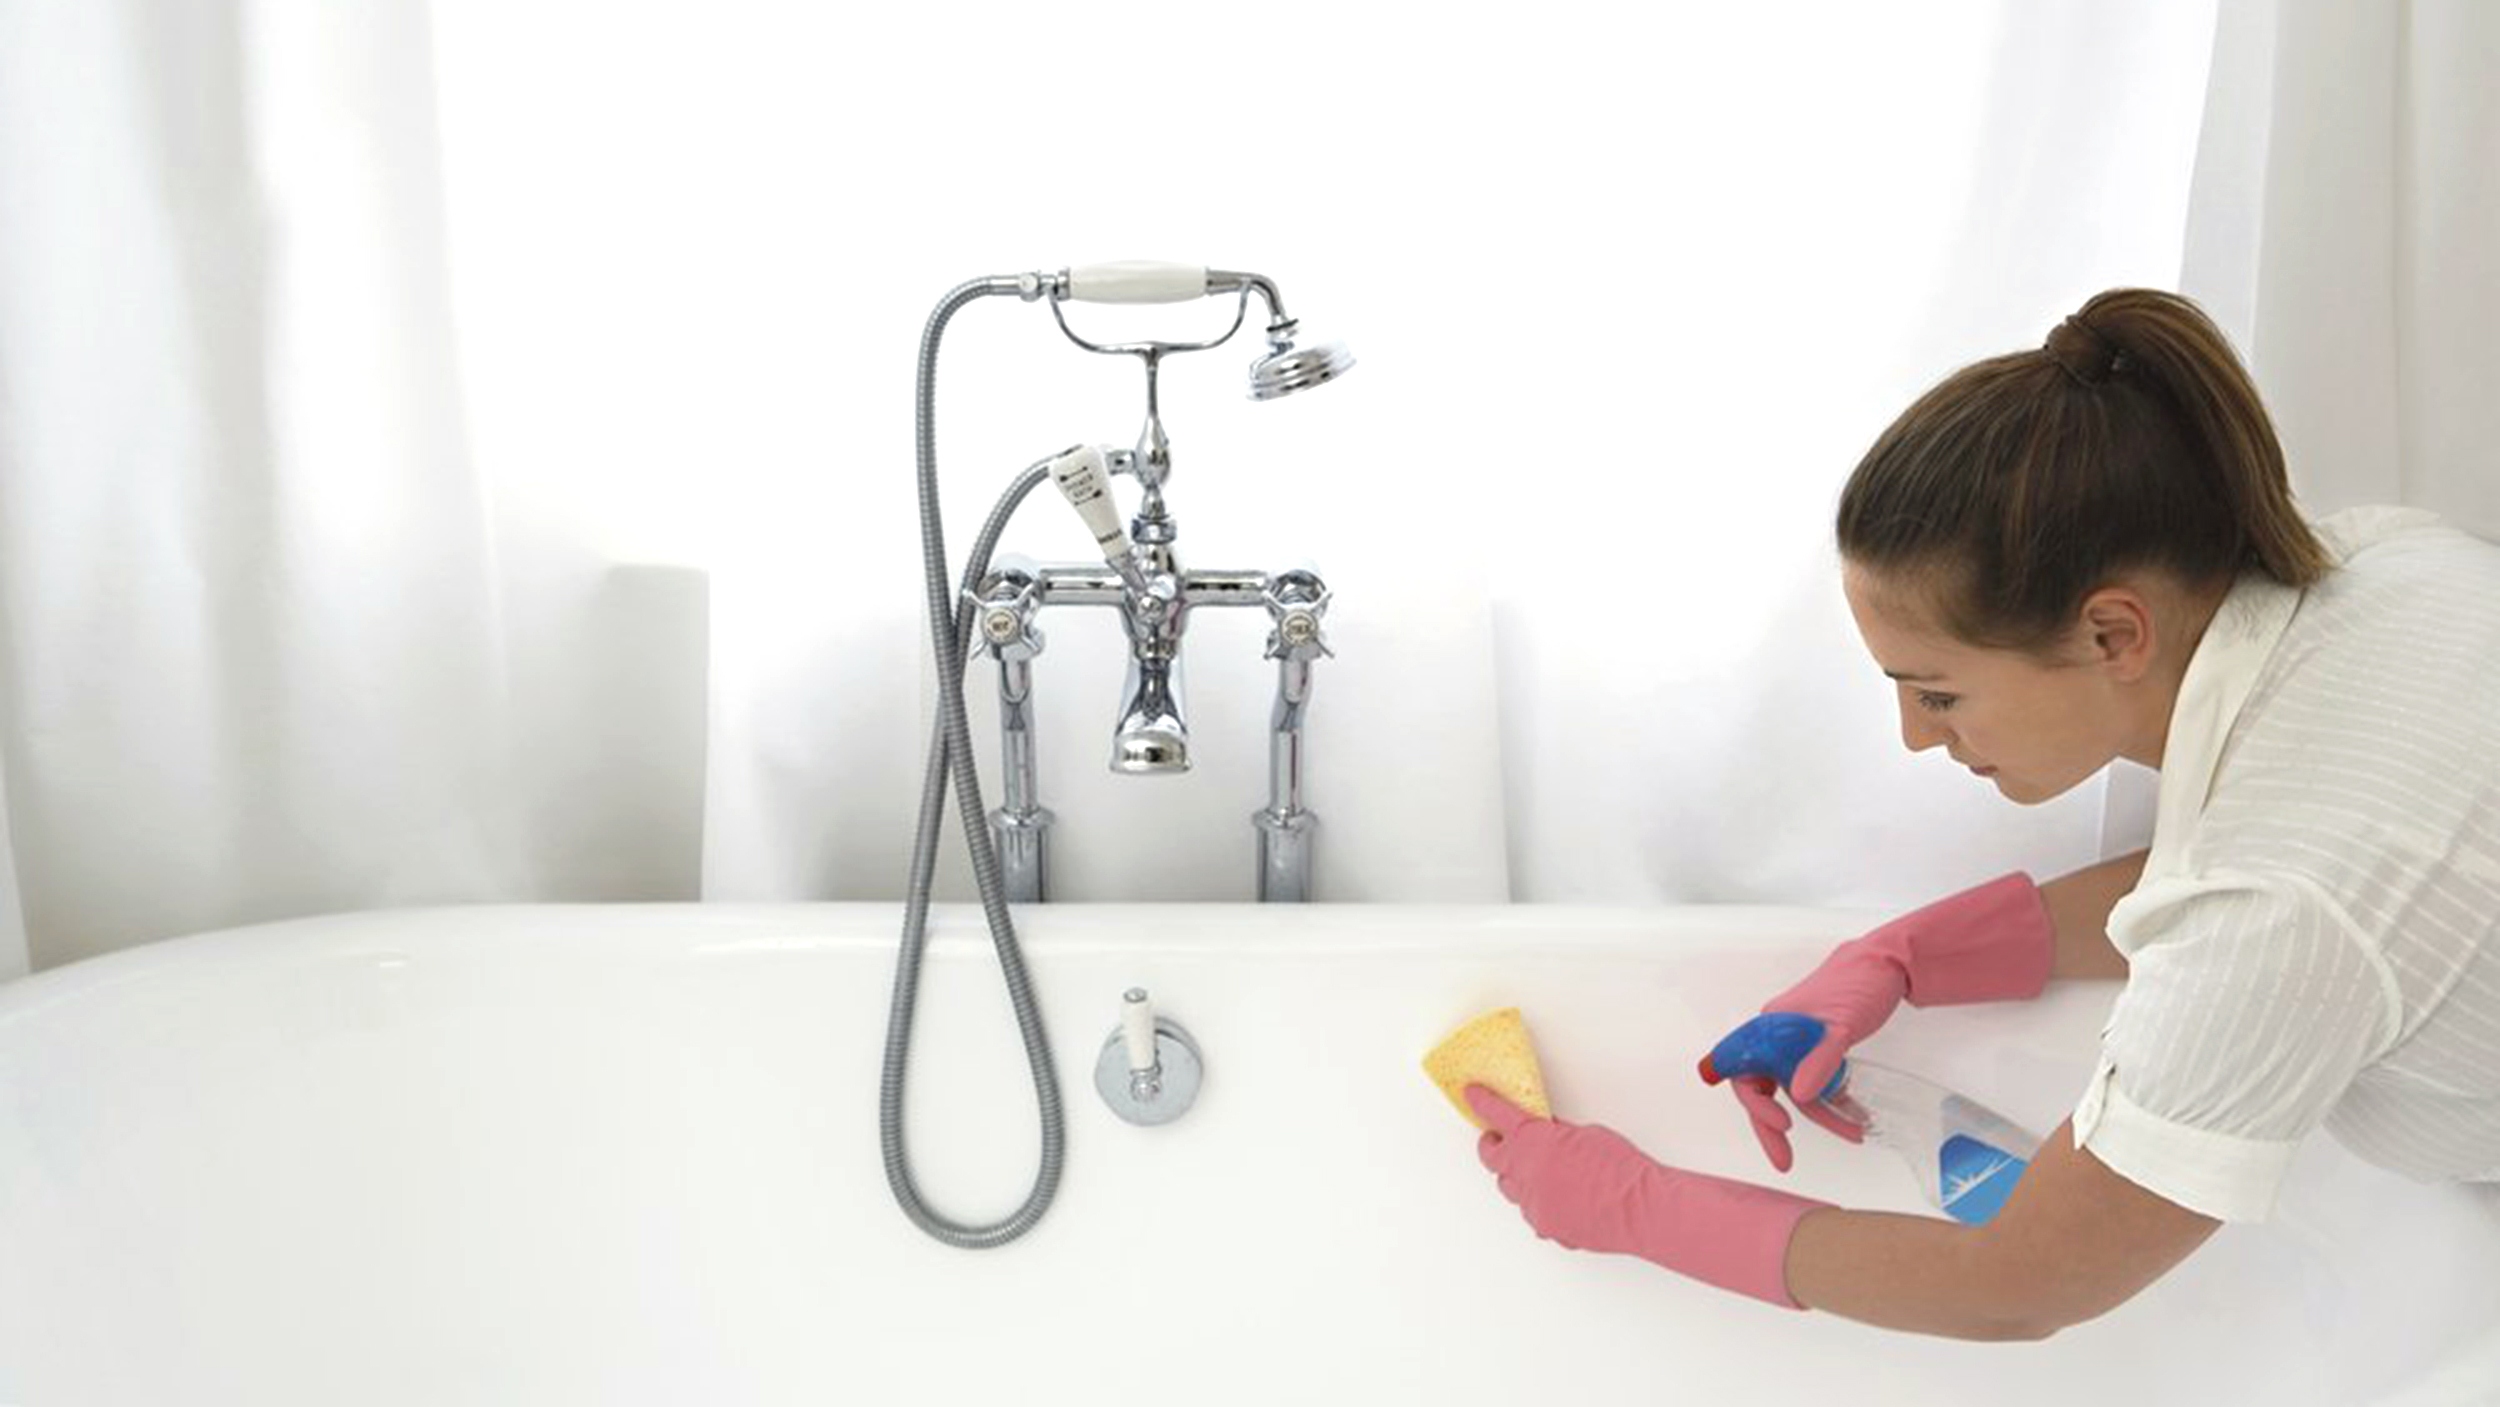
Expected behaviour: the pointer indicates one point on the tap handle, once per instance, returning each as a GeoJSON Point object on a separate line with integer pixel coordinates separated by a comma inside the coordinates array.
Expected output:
{"type": "Point", "coordinates": [1148, 1070]}
{"type": "Point", "coordinates": [1137, 1028]}
{"type": "Point", "coordinates": [1297, 601]}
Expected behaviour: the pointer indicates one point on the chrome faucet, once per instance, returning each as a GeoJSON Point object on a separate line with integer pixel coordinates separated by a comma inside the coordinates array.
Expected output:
{"type": "Point", "coordinates": [1154, 593]}
{"type": "Point", "coordinates": [1151, 736]}
{"type": "Point", "coordinates": [993, 608]}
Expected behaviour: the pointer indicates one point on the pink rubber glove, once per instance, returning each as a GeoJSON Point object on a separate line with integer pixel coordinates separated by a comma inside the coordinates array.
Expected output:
{"type": "Point", "coordinates": [1585, 1187]}
{"type": "Point", "coordinates": [1990, 943]}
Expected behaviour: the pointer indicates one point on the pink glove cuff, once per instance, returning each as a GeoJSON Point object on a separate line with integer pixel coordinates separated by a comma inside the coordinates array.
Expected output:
{"type": "Point", "coordinates": [1586, 1187]}
{"type": "Point", "coordinates": [1722, 1232]}
{"type": "Point", "coordinates": [1991, 943]}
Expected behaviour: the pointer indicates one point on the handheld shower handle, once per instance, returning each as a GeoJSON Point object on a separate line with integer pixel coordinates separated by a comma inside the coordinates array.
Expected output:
{"type": "Point", "coordinates": [1079, 472]}
{"type": "Point", "coordinates": [1135, 281]}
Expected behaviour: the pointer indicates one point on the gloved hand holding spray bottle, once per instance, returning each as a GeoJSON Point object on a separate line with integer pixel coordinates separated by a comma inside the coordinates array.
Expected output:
{"type": "Point", "coordinates": [1965, 1156]}
{"type": "Point", "coordinates": [1993, 942]}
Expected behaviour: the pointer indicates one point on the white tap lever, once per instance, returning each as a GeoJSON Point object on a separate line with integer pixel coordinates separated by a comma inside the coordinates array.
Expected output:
{"type": "Point", "coordinates": [1149, 1070]}
{"type": "Point", "coordinates": [1137, 1028]}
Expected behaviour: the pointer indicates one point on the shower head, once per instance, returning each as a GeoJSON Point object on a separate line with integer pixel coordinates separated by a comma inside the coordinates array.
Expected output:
{"type": "Point", "coordinates": [1287, 368]}
{"type": "Point", "coordinates": [1284, 370]}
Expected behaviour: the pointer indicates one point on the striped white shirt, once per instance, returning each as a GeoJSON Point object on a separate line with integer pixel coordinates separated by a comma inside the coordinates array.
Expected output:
{"type": "Point", "coordinates": [2316, 938]}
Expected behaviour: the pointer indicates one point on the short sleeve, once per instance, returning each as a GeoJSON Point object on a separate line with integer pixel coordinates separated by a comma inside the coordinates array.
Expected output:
{"type": "Point", "coordinates": [2249, 1008]}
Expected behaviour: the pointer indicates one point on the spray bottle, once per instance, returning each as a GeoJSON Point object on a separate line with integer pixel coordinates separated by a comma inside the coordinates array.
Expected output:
{"type": "Point", "coordinates": [1965, 1156]}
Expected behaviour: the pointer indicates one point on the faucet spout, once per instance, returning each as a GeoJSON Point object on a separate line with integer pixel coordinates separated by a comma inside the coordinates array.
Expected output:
{"type": "Point", "coordinates": [1151, 737]}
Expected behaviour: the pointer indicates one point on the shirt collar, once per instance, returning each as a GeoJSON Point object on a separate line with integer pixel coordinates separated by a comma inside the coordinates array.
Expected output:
{"type": "Point", "coordinates": [2236, 645]}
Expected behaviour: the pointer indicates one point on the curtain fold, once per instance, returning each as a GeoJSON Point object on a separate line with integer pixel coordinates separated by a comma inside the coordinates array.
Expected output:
{"type": "Point", "coordinates": [251, 663]}
{"type": "Point", "coordinates": [270, 644]}
{"type": "Point", "coordinates": [2346, 203]}
{"type": "Point", "coordinates": [16, 958]}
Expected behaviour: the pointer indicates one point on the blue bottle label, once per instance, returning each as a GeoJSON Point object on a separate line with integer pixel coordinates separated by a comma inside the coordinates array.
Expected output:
{"type": "Point", "coordinates": [1977, 1178]}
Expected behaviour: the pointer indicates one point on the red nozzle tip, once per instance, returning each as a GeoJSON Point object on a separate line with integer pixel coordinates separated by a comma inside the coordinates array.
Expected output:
{"type": "Point", "coordinates": [1709, 1072]}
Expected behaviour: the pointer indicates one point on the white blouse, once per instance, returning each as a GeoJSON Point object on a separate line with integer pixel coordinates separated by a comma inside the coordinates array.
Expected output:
{"type": "Point", "coordinates": [2316, 938]}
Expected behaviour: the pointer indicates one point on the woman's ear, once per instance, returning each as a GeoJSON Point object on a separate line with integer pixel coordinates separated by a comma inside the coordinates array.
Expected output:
{"type": "Point", "coordinates": [2118, 625]}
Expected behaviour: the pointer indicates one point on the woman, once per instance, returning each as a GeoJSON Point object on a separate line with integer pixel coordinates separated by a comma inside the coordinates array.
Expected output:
{"type": "Point", "coordinates": [2086, 552]}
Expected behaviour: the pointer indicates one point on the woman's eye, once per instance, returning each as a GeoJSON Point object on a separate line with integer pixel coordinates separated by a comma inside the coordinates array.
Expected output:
{"type": "Point", "coordinates": [1934, 703]}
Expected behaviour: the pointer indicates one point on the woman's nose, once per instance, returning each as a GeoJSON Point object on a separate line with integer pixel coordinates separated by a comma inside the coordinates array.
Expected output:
{"type": "Point", "coordinates": [1919, 729]}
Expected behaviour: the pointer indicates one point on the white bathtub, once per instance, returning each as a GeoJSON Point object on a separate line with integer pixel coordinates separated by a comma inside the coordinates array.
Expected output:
{"type": "Point", "coordinates": [629, 1155]}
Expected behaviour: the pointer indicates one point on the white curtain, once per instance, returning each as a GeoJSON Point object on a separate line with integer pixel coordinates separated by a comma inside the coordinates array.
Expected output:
{"type": "Point", "coordinates": [462, 451]}
{"type": "Point", "coordinates": [2346, 214]}
{"type": "Point", "coordinates": [272, 644]}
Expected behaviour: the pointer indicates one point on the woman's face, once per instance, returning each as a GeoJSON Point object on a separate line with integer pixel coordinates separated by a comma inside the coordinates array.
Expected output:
{"type": "Point", "coordinates": [2035, 728]}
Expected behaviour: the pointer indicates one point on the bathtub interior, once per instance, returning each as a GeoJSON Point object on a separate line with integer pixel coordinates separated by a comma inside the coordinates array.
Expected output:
{"type": "Point", "coordinates": [629, 1155]}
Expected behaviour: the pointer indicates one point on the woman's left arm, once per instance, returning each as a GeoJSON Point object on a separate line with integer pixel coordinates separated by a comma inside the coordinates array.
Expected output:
{"type": "Point", "coordinates": [2074, 1241]}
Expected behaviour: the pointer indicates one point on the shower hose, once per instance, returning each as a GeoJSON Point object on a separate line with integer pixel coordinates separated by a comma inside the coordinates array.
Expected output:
{"type": "Point", "coordinates": [951, 633]}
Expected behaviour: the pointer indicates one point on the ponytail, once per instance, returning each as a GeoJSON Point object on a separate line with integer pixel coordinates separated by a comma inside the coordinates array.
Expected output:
{"type": "Point", "coordinates": [2020, 484]}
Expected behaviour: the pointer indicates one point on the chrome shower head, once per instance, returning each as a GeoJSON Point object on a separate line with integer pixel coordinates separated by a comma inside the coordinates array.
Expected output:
{"type": "Point", "coordinates": [1284, 370]}
{"type": "Point", "coordinates": [1287, 368]}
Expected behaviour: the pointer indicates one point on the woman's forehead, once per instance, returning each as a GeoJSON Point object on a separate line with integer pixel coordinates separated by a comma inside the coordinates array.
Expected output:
{"type": "Point", "coordinates": [1900, 605]}
{"type": "Point", "coordinates": [1903, 630]}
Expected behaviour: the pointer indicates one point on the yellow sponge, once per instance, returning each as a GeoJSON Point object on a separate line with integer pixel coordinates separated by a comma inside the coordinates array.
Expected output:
{"type": "Point", "coordinates": [1492, 1051]}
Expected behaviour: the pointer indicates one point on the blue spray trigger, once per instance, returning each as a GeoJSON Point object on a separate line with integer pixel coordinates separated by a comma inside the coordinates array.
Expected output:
{"type": "Point", "coordinates": [1770, 1044]}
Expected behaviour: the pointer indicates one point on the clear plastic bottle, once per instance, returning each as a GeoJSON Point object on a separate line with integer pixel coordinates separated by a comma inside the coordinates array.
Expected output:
{"type": "Point", "coordinates": [1966, 1156]}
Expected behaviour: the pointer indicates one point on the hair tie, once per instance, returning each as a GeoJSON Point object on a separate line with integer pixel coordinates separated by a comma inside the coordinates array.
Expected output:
{"type": "Point", "coordinates": [2082, 351]}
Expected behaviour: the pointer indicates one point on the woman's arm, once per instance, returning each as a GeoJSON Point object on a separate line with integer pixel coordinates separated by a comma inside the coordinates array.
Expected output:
{"type": "Point", "coordinates": [2079, 906]}
{"type": "Point", "coordinates": [2074, 1242]}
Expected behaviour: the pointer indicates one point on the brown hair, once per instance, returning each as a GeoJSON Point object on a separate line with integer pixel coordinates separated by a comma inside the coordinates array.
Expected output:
{"type": "Point", "coordinates": [2018, 485]}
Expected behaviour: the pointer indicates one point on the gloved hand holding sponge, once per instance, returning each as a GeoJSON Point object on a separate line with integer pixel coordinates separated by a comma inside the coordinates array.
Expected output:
{"type": "Point", "coordinates": [1586, 1187]}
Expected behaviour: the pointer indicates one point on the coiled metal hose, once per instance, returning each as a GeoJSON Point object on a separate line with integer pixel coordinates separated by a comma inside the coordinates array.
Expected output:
{"type": "Point", "coordinates": [951, 632]}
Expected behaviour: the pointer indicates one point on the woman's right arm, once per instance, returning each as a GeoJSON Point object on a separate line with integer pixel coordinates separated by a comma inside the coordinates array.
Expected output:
{"type": "Point", "coordinates": [2079, 906]}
